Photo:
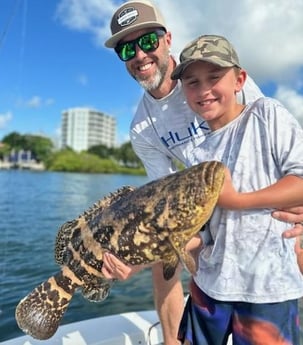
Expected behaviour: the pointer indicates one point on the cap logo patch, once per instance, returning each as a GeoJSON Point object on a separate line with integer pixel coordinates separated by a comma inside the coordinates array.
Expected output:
{"type": "Point", "coordinates": [127, 16]}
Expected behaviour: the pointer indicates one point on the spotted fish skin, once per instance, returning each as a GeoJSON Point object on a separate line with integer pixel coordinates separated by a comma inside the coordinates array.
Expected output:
{"type": "Point", "coordinates": [145, 225]}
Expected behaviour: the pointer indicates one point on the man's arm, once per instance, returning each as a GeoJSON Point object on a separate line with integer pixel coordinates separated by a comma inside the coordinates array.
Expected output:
{"type": "Point", "coordinates": [156, 162]}
{"type": "Point", "coordinates": [168, 294]}
{"type": "Point", "coordinates": [169, 302]}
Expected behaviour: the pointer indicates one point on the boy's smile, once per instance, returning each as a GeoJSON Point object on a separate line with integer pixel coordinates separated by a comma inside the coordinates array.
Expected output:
{"type": "Point", "coordinates": [211, 90]}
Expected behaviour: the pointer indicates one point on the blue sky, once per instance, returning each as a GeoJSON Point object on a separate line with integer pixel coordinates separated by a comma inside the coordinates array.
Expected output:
{"type": "Point", "coordinates": [52, 56]}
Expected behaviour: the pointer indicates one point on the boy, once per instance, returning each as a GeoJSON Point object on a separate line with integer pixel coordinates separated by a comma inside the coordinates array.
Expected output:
{"type": "Point", "coordinates": [248, 282]}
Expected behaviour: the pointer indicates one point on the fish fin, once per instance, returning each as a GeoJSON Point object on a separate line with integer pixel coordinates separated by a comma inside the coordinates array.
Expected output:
{"type": "Point", "coordinates": [187, 259]}
{"type": "Point", "coordinates": [66, 231]}
{"type": "Point", "coordinates": [63, 238]}
{"type": "Point", "coordinates": [97, 292]}
{"type": "Point", "coordinates": [189, 262]}
{"type": "Point", "coordinates": [169, 267]}
{"type": "Point", "coordinates": [104, 203]}
{"type": "Point", "coordinates": [40, 312]}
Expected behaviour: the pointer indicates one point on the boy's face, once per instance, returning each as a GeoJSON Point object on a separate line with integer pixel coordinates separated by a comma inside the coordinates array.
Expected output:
{"type": "Point", "coordinates": [211, 90]}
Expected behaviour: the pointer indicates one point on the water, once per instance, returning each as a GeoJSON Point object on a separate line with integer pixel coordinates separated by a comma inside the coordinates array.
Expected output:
{"type": "Point", "coordinates": [32, 207]}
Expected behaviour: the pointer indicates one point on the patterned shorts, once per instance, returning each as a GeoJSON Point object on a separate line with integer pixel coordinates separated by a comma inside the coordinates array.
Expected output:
{"type": "Point", "coordinates": [207, 321]}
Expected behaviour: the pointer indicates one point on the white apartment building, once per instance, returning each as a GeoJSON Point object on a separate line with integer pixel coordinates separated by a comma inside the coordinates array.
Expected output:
{"type": "Point", "coordinates": [83, 128]}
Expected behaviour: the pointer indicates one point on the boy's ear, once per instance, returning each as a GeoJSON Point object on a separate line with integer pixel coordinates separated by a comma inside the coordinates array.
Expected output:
{"type": "Point", "coordinates": [241, 78]}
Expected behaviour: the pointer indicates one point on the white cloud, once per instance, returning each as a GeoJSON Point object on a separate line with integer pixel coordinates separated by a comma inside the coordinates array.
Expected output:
{"type": "Point", "coordinates": [292, 100]}
{"type": "Point", "coordinates": [266, 34]}
{"type": "Point", "coordinates": [49, 101]}
{"type": "Point", "coordinates": [82, 79]}
{"type": "Point", "coordinates": [5, 119]}
{"type": "Point", "coordinates": [35, 102]}
{"type": "Point", "coordinates": [91, 16]}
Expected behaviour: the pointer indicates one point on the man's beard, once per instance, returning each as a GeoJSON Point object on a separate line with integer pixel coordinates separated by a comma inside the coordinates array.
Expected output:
{"type": "Point", "coordinates": [155, 82]}
{"type": "Point", "coordinates": [158, 78]}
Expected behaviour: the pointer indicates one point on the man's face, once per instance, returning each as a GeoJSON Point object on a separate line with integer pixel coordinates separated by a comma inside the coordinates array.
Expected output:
{"type": "Point", "coordinates": [149, 68]}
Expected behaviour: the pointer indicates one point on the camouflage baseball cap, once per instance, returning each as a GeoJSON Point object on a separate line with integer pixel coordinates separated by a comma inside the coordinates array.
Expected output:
{"type": "Point", "coordinates": [132, 16]}
{"type": "Point", "coordinates": [210, 48]}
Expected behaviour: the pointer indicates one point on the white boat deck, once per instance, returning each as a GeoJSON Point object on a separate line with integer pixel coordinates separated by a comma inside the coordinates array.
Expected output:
{"type": "Point", "coordinates": [136, 328]}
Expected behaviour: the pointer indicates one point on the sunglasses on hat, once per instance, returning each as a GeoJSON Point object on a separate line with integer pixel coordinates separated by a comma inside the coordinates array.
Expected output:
{"type": "Point", "coordinates": [148, 42]}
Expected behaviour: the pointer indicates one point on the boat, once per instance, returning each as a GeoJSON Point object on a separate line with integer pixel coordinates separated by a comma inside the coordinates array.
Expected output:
{"type": "Point", "coordinates": [132, 328]}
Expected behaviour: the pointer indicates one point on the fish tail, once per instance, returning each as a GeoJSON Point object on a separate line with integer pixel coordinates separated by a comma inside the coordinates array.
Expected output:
{"type": "Point", "coordinates": [40, 312]}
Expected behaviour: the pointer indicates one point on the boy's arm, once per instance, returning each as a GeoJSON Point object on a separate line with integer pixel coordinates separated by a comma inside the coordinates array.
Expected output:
{"type": "Point", "coordinates": [285, 193]}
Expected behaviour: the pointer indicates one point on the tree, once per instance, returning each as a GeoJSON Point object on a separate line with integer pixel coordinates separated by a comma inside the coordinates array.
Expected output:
{"type": "Point", "coordinates": [127, 155]}
{"type": "Point", "coordinates": [4, 150]}
{"type": "Point", "coordinates": [40, 146]}
{"type": "Point", "coordinates": [14, 140]}
{"type": "Point", "coordinates": [69, 160]}
{"type": "Point", "coordinates": [101, 151]}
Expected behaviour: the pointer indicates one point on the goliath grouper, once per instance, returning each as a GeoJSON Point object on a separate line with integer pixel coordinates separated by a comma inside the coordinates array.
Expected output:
{"type": "Point", "coordinates": [145, 225]}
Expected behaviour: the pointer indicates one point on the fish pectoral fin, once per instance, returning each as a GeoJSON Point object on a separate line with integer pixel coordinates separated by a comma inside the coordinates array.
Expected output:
{"type": "Point", "coordinates": [40, 312]}
{"type": "Point", "coordinates": [186, 258]}
{"type": "Point", "coordinates": [189, 262]}
{"type": "Point", "coordinates": [98, 291]}
{"type": "Point", "coordinates": [170, 265]}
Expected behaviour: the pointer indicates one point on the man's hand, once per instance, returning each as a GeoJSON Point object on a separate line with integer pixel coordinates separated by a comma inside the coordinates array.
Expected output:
{"type": "Point", "coordinates": [114, 268]}
{"type": "Point", "coordinates": [291, 215]}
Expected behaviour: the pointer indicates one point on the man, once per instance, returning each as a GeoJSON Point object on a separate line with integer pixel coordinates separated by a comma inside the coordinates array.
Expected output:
{"type": "Point", "coordinates": [163, 130]}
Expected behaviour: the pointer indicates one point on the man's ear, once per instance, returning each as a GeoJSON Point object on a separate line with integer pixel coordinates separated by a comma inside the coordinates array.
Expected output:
{"type": "Point", "coordinates": [168, 38]}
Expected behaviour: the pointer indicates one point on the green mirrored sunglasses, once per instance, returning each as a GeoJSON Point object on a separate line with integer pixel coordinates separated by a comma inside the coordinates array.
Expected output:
{"type": "Point", "coordinates": [148, 42]}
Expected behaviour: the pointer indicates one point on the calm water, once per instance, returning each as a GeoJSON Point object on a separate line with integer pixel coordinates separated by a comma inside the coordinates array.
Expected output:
{"type": "Point", "coordinates": [32, 207]}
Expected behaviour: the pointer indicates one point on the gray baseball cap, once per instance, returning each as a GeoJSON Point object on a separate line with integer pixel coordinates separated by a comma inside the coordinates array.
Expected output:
{"type": "Point", "coordinates": [132, 16]}
{"type": "Point", "coordinates": [210, 48]}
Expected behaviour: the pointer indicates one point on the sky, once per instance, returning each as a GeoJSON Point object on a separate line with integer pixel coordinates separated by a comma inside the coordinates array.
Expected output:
{"type": "Point", "coordinates": [52, 56]}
